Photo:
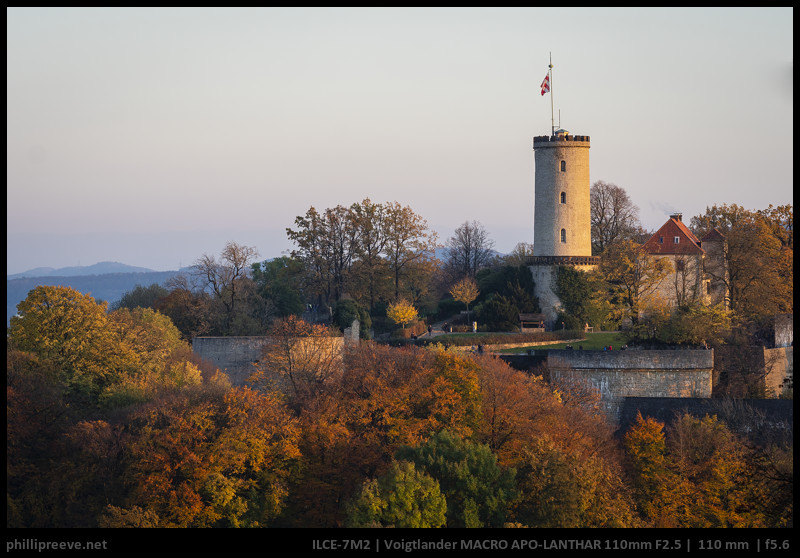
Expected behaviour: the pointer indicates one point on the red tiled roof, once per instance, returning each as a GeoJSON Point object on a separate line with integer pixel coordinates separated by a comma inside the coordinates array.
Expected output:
{"type": "Point", "coordinates": [663, 242]}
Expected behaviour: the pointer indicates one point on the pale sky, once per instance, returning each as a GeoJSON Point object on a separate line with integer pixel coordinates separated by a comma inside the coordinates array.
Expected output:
{"type": "Point", "coordinates": [152, 136]}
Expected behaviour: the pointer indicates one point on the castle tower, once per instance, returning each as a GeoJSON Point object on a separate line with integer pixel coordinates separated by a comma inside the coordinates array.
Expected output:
{"type": "Point", "coordinates": [562, 221]}
{"type": "Point", "coordinates": [562, 215]}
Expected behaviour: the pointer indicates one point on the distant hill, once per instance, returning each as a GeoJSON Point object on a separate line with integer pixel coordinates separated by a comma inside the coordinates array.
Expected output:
{"type": "Point", "coordinates": [101, 268]}
{"type": "Point", "coordinates": [93, 280]}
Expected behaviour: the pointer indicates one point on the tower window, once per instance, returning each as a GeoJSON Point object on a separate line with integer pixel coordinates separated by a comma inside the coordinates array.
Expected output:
{"type": "Point", "coordinates": [564, 236]}
{"type": "Point", "coordinates": [563, 197]}
{"type": "Point", "coordinates": [563, 166]}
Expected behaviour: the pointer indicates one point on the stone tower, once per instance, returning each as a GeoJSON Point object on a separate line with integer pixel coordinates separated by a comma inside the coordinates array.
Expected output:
{"type": "Point", "coordinates": [561, 222]}
{"type": "Point", "coordinates": [562, 217]}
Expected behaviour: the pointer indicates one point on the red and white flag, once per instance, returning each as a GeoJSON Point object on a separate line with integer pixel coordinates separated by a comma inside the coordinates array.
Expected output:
{"type": "Point", "coordinates": [546, 84]}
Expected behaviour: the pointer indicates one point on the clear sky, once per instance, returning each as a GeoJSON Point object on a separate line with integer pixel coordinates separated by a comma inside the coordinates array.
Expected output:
{"type": "Point", "coordinates": [154, 136]}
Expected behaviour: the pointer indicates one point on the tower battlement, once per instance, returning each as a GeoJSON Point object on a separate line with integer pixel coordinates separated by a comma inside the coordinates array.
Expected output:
{"type": "Point", "coordinates": [542, 140]}
{"type": "Point", "coordinates": [563, 260]}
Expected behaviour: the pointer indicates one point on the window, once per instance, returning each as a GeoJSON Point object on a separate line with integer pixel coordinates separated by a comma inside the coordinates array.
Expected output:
{"type": "Point", "coordinates": [680, 265]}
{"type": "Point", "coordinates": [676, 240]}
{"type": "Point", "coordinates": [563, 197]}
{"type": "Point", "coordinates": [661, 240]}
{"type": "Point", "coordinates": [563, 166]}
{"type": "Point", "coordinates": [564, 236]}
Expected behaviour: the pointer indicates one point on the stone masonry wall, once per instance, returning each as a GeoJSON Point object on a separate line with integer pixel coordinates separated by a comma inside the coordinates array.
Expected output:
{"type": "Point", "coordinates": [237, 356]}
{"type": "Point", "coordinates": [635, 373]}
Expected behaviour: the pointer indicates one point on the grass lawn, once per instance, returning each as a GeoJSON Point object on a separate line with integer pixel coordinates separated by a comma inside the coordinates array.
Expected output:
{"type": "Point", "coordinates": [593, 342]}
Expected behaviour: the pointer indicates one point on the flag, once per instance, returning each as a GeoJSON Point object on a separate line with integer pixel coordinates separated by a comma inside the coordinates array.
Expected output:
{"type": "Point", "coordinates": [546, 84]}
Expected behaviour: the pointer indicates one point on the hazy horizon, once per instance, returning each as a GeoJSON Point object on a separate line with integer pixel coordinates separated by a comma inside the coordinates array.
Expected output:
{"type": "Point", "coordinates": [152, 136]}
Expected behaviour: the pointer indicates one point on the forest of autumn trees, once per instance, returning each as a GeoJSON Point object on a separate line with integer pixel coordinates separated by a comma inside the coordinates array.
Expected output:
{"type": "Point", "coordinates": [113, 422]}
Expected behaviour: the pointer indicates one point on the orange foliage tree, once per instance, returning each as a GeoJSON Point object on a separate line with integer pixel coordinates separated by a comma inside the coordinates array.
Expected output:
{"type": "Point", "coordinates": [299, 360]}
{"type": "Point", "coordinates": [205, 459]}
{"type": "Point", "coordinates": [694, 474]}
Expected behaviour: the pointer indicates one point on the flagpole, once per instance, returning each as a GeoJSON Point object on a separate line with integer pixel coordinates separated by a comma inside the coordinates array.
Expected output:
{"type": "Point", "coordinates": [552, 117]}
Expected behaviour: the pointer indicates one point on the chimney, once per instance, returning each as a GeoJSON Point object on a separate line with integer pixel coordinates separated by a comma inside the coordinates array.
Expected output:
{"type": "Point", "coordinates": [677, 216]}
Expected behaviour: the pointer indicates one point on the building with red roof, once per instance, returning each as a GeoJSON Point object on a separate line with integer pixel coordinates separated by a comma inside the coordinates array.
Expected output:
{"type": "Point", "coordinates": [697, 264]}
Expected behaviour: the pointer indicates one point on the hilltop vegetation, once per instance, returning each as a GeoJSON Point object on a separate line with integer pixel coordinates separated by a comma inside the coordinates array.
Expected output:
{"type": "Point", "coordinates": [112, 423]}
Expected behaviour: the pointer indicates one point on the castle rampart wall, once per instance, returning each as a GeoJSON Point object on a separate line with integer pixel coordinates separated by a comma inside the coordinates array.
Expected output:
{"type": "Point", "coordinates": [237, 356]}
{"type": "Point", "coordinates": [635, 373]}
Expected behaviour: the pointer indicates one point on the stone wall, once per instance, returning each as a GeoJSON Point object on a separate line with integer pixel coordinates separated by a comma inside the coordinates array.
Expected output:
{"type": "Point", "coordinates": [237, 356]}
{"type": "Point", "coordinates": [633, 373]}
{"type": "Point", "coordinates": [233, 355]}
{"type": "Point", "coordinates": [754, 370]}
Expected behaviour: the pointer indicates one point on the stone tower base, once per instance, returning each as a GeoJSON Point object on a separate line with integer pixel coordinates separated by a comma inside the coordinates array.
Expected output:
{"type": "Point", "coordinates": [544, 269]}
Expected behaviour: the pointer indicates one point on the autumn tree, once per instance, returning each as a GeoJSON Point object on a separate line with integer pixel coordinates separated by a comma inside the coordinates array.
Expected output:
{"type": "Point", "coordinates": [402, 312]}
{"type": "Point", "coordinates": [384, 398]}
{"type": "Point", "coordinates": [189, 307]}
{"type": "Point", "coordinates": [695, 473]}
{"type": "Point", "coordinates": [757, 259]}
{"type": "Point", "coordinates": [714, 462]}
{"type": "Point", "coordinates": [71, 330]}
{"type": "Point", "coordinates": [614, 217]}
{"type": "Point", "coordinates": [409, 242]}
{"type": "Point", "coordinates": [299, 359]}
{"type": "Point", "coordinates": [164, 359]}
{"type": "Point", "coordinates": [633, 276]}
{"type": "Point", "coordinates": [80, 367]}
{"type": "Point", "coordinates": [202, 458]}
{"type": "Point", "coordinates": [560, 442]}
{"type": "Point", "coordinates": [563, 489]}
{"type": "Point", "coordinates": [696, 324]}
{"type": "Point", "coordinates": [780, 220]}
{"type": "Point", "coordinates": [465, 291]}
{"type": "Point", "coordinates": [469, 250]}
{"type": "Point", "coordinates": [361, 248]}
{"type": "Point", "coordinates": [37, 416]}
{"type": "Point", "coordinates": [226, 277]}
{"type": "Point", "coordinates": [655, 484]}
{"type": "Point", "coordinates": [370, 270]}
{"type": "Point", "coordinates": [312, 250]}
